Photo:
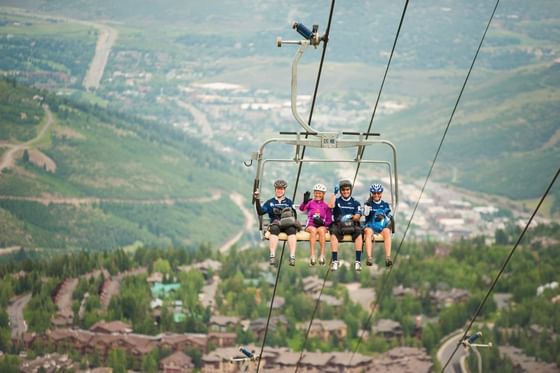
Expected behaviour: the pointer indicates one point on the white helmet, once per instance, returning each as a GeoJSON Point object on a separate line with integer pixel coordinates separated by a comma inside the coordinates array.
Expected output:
{"type": "Point", "coordinates": [320, 188]}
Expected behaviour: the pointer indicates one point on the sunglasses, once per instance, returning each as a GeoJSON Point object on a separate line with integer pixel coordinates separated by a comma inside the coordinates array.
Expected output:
{"type": "Point", "coordinates": [344, 189]}
{"type": "Point", "coordinates": [377, 193]}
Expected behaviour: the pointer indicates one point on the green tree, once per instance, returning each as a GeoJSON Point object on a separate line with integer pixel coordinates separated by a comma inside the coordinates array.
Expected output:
{"type": "Point", "coordinates": [149, 363]}
{"type": "Point", "coordinates": [117, 360]}
{"type": "Point", "coordinates": [163, 266]}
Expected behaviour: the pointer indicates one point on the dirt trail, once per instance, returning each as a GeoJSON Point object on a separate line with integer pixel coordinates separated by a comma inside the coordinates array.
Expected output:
{"type": "Point", "coordinates": [7, 160]}
{"type": "Point", "coordinates": [77, 201]}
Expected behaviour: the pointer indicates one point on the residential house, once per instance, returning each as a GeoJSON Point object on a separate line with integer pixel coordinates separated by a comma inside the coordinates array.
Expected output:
{"type": "Point", "coordinates": [348, 362]}
{"type": "Point", "coordinates": [258, 326]}
{"type": "Point", "coordinates": [223, 323]}
{"type": "Point", "coordinates": [329, 300]}
{"type": "Point", "coordinates": [177, 362]}
{"type": "Point", "coordinates": [313, 284]}
{"type": "Point", "coordinates": [111, 327]}
{"type": "Point", "coordinates": [388, 329]}
{"type": "Point", "coordinates": [446, 298]}
{"type": "Point", "coordinates": [523, 363]}
{"type": "Point", "coordinates": [155, 277]}
{"type": "Point", "coordinates": [403, 359]}
{"type": "Point", "coordinates": [325, 329]}
{"type": "Point", "coordinates": [222, 339]}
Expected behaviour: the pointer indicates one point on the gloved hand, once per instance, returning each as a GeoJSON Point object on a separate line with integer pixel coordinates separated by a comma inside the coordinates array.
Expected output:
{"type": "Point", "coordinates": [306, 197]}
{"type": "Point", "coordinates": [336, 189]}
{"type": "Point", "coordinates": [276, 211]}
{"type": "Point", "coordinates": [367, 210]}
{"type": "Point", "coordinates": [379, 217]}
{"type": "Point", "coordinates": [317, 221]}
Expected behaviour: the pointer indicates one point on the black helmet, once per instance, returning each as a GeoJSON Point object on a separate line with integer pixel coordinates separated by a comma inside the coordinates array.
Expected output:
{"type": "Point", "coordinates": [280, 184]}
{"type": "Point", "coordinates": [345, 184]}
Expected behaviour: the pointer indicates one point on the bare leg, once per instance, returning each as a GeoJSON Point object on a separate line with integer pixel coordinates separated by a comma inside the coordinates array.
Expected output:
{"type": "Point", "coordinates": [368, 233]}
{"type": "Point", "coordinates": [292, 242]}
{"type": "Point", "coordinates": [273, 242]}
{"type": "Point", "coordinates": [386, 233]}
{"type": "Point", "coordinates": [358, 243]}
{"type": "Point", "coordinates": [322, 231]}
{"type": "Point", "coordinates": [312, 239]}
{"type": "Point", "coordinates": [334, 243]}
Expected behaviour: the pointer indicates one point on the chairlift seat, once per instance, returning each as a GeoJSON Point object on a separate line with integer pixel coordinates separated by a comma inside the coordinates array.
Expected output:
{"type": "Point", "coordinates": [304, 236]}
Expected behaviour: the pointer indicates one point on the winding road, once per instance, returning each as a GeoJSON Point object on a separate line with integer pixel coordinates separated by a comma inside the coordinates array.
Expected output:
{"type": "Point", "coordinates": [15, 315]}
{"type": "Point", "coordinates": [247, 227]}
{"type": "Point", "coordinates": [447, 349]}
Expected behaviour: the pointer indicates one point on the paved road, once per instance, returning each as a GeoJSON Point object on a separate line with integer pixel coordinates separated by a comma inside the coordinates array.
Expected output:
{"type": "Point", "coordinates": [15, 314]}
{"type": "Point", "coordinates": [105, 41]}
{"type": "Point", "coordinates": [447, 349]}
{"type": "Point", "coordinates": [249, 222]}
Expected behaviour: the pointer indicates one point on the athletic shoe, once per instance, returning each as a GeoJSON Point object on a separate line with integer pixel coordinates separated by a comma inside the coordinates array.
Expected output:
{"type": "Point", "coordinates": [358, 266]}
{"type": "Point", "coordinates": [272, 261]}
{"type": "Point", "coordinates": [334, 265]}
{"type": "Point", "coordinates": [388, 261]}
{"type": "Point", "coordinates": [322, 260]}
{"type": "Point", "coordinates": [369, 261]}
{"type": "Point", "coordinates": [292, 261]}
{"type": "Point", "coordinates": [312, 260]}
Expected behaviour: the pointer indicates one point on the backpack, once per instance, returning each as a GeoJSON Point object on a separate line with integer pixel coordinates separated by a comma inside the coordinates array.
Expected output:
{"type": "Point", "coordinates": [288, 218]}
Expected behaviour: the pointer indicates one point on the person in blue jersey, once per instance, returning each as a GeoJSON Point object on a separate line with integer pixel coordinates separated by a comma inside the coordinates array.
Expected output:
{"type": "Point", "coordinates": [346, 220]}
{"type": "Point", "coordinates": [378, 220]}
{"type": "Point", "coordinates": [277, 208]}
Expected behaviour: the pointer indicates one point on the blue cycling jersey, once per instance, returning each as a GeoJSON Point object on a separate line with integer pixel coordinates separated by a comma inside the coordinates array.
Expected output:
{"type": "Point", "coordinates": [377, 208]}
{"type": "Point", "coordinates": [345, 207]}
{"type": "Point", "coordinates": [273, 204]}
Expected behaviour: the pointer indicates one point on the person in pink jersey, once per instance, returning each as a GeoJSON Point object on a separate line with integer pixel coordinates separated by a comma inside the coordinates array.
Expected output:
{"type": "Point", "coordinates": [319, 218]}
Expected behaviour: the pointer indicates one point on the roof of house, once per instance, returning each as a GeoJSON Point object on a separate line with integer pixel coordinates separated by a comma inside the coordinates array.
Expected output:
{"type": "Point", "coordinates": [403, 360]}
{"type": "Point", "coordinates": [386, 325]}
{"type": "Point", "coordinates": [111, 327]}
{"type": "Point", "coordinates": [223, 320]}
{"type": "Point", "coordinates": [178, 359]}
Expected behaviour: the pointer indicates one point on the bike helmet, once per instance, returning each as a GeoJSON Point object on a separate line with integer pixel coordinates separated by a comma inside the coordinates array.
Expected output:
{"type": "Point", "coordinates": [345, 184]}
{"type": "Point", "coordinates": [280, 184]}
{"type": "Point", "coordinates": [376, 188]}
{"type": "Point", "coordinates": [320, 188]}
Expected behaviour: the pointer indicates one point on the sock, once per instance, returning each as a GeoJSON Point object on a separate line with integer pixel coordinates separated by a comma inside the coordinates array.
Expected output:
{"type": "Point", "coordinates": [335, 256]}
{"type": "Point", "coordinates": [358, 256]}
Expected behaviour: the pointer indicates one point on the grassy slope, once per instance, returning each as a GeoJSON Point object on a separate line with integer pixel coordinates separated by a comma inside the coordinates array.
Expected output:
{"type": "Point", "coordinates": [100, 155]}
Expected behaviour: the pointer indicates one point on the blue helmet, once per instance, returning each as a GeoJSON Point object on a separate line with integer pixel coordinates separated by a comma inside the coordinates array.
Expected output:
{"type": "Point", "coordinates": [376, 188]}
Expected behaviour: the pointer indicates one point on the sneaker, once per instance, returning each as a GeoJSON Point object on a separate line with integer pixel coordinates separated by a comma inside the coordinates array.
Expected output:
{"type": "Point", "coordinates": [388, 261]}
{"type": "Point", "coordinates": [334, 265]}
{"type": "Point", "coordinates": [358, 266]}
{"type": "Point", "coordinates": [292, 261]}
{"type": "Point", "coordinates": [312, 260]}
{"type": "Point", "coordinates": [322, 260]}
{"type": "Point", "coordinates": [369, 261]}
{"type": "Point", "coordinates": [272, 261]}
